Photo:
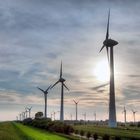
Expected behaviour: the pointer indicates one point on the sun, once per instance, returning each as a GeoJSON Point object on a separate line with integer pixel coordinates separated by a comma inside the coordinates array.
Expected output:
{"type": "Point", "coordinates": [101, 71]}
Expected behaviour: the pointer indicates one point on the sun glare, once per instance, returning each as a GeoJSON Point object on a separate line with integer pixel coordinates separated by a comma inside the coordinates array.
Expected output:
{"type": "Point", "coordinates": [101, 71]}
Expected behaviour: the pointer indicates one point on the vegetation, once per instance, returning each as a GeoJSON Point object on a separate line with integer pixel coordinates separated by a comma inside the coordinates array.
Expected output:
{"type": "Point", "coordinates": [8, 132]}
{"type": "Point", "coordinates": [95, 136]}
{"type": "Point", "coordinates": [38, 134]}
{"type": "Point", "coordinates": [39, 115]}
{"type": "Point", "coordinates": [17, 131]}
{"type": "Point", "coordinates": [88, 134]}
{"type": "Point", "coordinates": [52, 126]}
{"type": "Point", "coordinates": [113, 133]}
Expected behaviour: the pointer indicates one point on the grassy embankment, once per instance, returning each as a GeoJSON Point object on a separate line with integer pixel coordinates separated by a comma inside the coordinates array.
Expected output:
{"type": "Point", "coordinates": [100, 130]}
{"type": "Point", "coordinates": [16, 131]}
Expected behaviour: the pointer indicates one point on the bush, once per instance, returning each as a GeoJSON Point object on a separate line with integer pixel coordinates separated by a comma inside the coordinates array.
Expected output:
{"type": "Point", "coordinates": [53, 126]}
{"type": "Point", "coordinates": [95, 136]}
{"type": "Point", "coordinates": [27, 121]}
{"type": "Point", "coordinates": [82, 132]}
{"type": "Point", "coordinates": [88, 134]}
{"type": "Point", "coordinates": [106, 137]}
{"type": "Point", "coordinates": [76, 131]}
{"type": "Point", "coordinates": [117, 138]}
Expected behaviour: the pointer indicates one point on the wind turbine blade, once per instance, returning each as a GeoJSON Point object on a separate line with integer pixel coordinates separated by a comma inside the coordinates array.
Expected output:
{"type": "Point", "coordinates": [107, 32]}
{"type": "Point", "coordinates": [65, 86]}
{"type": "Point", "coordinates": [74, 101]}
{"type": "Point", "coordinates": [102, 48]}
{"type": "Point", "coordinates": [41, 89]}
{"type": "Point", "coordinates": [48, 88]}
{"type": "Point", "coordinates": [61, 70]}
{"type": "Point", "coordinates": [107, 53]}
{"type": "Point", "coordinates": [54, 84]}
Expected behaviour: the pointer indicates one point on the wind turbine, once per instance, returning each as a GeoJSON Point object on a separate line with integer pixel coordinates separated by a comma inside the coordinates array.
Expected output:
{"type": "Point", "coordinates": [71, 117]}
{"type": "Point", "coordinates": [124, 111]}
{"type": "Point", "coordinates": [61, 80]}
{"type": "Point", "coordinates": [76, 103]}
{"type": "Point", "coordinates": [23, 115]}
{"type": "Point", "coordinates": [109, 44]}
{"type": "Point", "coordinates": [134, 113]}
{"type": "Point", "coordinates": [45, 96]}
{"type": "Point", "coordinates": [26, 111]}
{"type": "Point", "coordinates": [29, 110]}
{"type": "Point", "coordinates": [85, 115]}
{"type": "Point", "coordinates": [95, 116]}
{"type": "Point", "coordinates": [20, 115]}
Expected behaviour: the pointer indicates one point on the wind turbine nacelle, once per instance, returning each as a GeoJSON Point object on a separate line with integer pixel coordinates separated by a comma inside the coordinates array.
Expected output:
{"type": "Point", "coordinates": [110, 43]}
{"type": "Point", "coordinates": [62, 80]}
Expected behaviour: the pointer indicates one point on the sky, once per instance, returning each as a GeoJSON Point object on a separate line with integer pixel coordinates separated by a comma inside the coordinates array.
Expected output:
{"type": "Point", "coordinates": [36, 35]}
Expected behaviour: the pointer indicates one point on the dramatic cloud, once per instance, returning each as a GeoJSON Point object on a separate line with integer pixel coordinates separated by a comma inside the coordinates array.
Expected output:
{"type": "Point", "coordinates": [36, 35]}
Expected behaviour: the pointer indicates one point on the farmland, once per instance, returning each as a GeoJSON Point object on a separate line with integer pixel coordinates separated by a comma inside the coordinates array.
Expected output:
{"type": "Point", "coordinates": [16, 131]}
{"type": "Point", "coordinates": [125, 133]}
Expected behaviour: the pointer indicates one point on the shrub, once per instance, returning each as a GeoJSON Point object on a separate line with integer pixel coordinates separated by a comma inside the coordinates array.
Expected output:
{"type": "Point", "coordinates": [27, 121]}
{"type": "Point", "coordinates": [117, 138]}
{"type": "Point", "coordinates": [88, 134]}
{"type": "Point", "coordinates": [76, 131]}
{"type": "Point", "coordinates": [106, 137]}
{"type": "Point", "coordinates": [95, 136]}
{"type": "Point", "coordinates": [82, 132]}
{"type": "Point", "coordinates": [53, 126]}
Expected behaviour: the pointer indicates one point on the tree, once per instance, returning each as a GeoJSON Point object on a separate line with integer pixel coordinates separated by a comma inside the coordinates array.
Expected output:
{"type": "Point", "coordinates": [38, 115]}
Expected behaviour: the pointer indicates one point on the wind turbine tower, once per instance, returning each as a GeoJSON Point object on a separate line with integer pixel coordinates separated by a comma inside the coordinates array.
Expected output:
{"type": "Point", "coordinates": [95, 116]}
{"type": "Point", "coordinates": [61, 80]}
{"type": "Point", "coordinates": [26, 111]}
{"type": "Point", "coordinates": [29, 110]}
{"type": "Point", "coordinates": [45, 96]}
{"type": "Point", "coordinates": [85, 115]}
{"type": "Point", "coordinates": [124, 111]}
{"type": "Point", "coordinates": [134, 113]}
{"type": "Point", "coordinates": [109, 44]}
{"type": "Point", "coordinates": [76, 112]}
{"type": "Point", "coordinates": [20, 115]}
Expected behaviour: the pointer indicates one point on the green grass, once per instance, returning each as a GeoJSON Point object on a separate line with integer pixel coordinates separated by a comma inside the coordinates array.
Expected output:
{"type": "Point", "coordinates": [38, 134]}
{"type": "Point", "coordinates": [101, 130]}
{"type": "Point", "coordinates": [8, 132]}
{"type": "Point", "coordinates": [17, 131]}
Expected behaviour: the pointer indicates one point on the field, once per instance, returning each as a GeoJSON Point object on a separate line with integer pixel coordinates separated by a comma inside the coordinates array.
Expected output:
{"type": "Point", "coordinates": [16, 131]}
{"type": "Point", "coordinates": [100, 130]}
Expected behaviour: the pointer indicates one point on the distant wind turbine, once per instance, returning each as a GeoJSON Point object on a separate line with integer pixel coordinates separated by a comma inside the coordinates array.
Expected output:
{"type": "Point", "coordinates": [26, 111]}
{"type": "Point", "coordinates": [29, 110]}
{"type": "Point", "coordinates": [124, 111]}
{"type": "Point", "coordinates": [76, 111]}
{"type": "Point", "coordinates": [61, 80]}
{"type": "Point", "coordinates": [20, 116]}
{"type": "Point", "coordinates": [23, 115]}
{"type": "Point", "coordinates": [109, 44]}
{"type": "Point", "coordinates": [45, 96]}
{"type": "Point", "coordinates": [85, 115]}
{"type": "Point", "coordinates": [134, 113]}
{"type": "Point", "coordinates": [71, 117]}
{"type": "Point", "coordinates": [95, 116]}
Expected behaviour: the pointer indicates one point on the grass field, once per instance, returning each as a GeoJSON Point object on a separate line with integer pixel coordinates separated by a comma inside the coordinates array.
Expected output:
{"type": "Point", "coordinates": [124, 133]}
{"type": "Point", "coordinates": [16, 131]}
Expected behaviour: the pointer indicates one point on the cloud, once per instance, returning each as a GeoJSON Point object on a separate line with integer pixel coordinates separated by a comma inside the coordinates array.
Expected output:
{"type": "Point", "coordinates": [36, 35]}
{"type": "Point", "coordinates": [97, 88]}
